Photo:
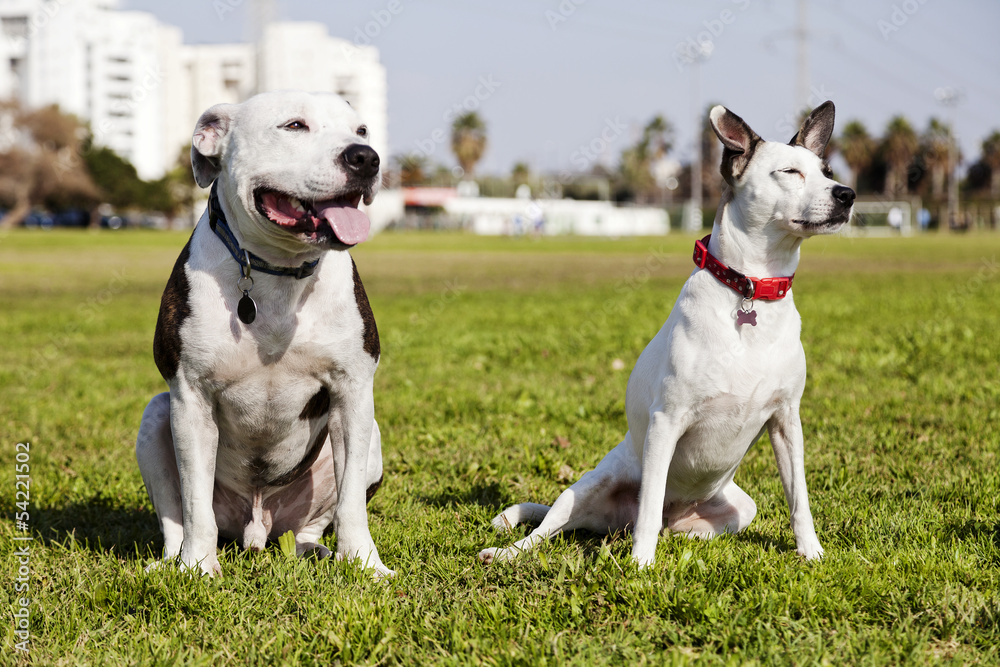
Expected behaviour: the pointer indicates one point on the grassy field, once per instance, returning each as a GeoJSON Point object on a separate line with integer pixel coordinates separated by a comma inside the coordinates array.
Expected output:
{"type": "Point", "coordinates": [498, 384]}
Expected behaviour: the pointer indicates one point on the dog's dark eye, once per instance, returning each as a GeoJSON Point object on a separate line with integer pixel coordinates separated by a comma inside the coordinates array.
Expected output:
{"type": "Point", "coordinates": [296, 125]}
{"type": "Point", "coordinates": [827, 171]}
{"type": "Point", "coordinates": [363, 131]}
{"type": "Point", "coordinates": [791, 171]}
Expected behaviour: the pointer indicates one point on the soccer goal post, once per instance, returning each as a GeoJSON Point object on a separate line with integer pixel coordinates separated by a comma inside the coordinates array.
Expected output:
{"type": "Point", "coordinates": [882, 218]}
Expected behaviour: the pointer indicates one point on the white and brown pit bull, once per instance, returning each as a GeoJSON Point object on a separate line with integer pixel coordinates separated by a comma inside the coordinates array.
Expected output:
{"type": "Point", "coordinates": [267, 341]}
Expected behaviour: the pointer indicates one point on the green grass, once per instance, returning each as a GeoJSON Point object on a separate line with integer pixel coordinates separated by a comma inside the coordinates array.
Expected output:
{"type": "Point", "coordinates": [496, 386]}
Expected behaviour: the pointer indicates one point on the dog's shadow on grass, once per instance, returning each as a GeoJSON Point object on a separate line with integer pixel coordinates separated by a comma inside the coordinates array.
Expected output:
{"type": "Point", "coordinates": [967, 531]}
{"type": "Point", "coordinates": [483, 494]}
{"type": "Point", "coordinates": [100, 524]}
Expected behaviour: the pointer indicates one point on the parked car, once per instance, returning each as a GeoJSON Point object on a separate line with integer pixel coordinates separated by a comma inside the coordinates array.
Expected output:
{"type": "Point", "coordinates": [73, 217]}
{"type": "Point", "coordinates": [40, 219]}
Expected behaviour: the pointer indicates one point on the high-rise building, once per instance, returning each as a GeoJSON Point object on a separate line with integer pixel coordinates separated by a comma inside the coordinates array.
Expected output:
{"type": "Point", "coordinates": [141, 88]}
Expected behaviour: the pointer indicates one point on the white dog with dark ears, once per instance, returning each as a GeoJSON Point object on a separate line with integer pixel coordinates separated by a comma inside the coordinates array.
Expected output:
{"type": "Point", "coordinates": [267, 342]}
{"type": "Point", "coordinates": [727, 364]}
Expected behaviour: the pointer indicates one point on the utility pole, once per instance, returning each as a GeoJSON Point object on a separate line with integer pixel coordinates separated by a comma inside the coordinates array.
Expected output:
{"type": "Point", "coordinates": [950, 97]}
{"type": "Point", "coordinates": [802, 61]}
{"type": "Point", "coordinates": [693, 219]}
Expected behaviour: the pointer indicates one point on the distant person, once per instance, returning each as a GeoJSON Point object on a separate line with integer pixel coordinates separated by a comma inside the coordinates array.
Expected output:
{"type": "Point", "coordinates": [924, 219]}
{"type": "Point", "coordinates": [895, 218]}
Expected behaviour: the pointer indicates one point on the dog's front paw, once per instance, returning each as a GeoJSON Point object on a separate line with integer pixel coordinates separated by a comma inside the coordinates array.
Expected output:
{"type": "Point", "coordinates": [644, 551]}
{"type": "Point", "coordinates": [370, 562]}
{"type": "Point", "coordinates": [811, 551]}
{"type": "Point", "coordinates": [207, 566]}
{"type": "Point", "coordinates": [644, 561]}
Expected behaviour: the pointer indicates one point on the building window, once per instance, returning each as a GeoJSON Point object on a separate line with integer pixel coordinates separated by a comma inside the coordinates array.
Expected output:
{"type": "Point", "coordinates": [15, 26]}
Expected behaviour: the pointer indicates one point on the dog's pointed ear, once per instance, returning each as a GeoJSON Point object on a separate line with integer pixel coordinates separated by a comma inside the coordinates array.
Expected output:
{"type": "Point", "coordinates": [206, 145]}
{"type": "Point", "coordinates": [738, 140]}
{"type": "Point", "coordinates": [816, 129]}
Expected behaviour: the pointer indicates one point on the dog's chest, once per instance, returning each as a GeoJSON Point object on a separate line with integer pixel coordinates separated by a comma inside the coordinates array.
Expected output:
{"type": "Point", "coordinates": [262, 377]}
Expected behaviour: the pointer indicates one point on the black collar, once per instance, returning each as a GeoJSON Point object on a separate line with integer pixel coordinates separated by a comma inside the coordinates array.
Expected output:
{"type": "Point", "coordinates": [217, 221]}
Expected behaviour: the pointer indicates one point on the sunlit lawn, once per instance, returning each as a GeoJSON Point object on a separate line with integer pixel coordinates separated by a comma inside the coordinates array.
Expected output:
{"type": "Point", "coordinates": [497, 385]}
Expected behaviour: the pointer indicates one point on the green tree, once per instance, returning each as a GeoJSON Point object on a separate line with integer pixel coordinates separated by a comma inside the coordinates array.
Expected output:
{"type": "Point", "coordinates": [899, 146]}
{"type": "Point", "coordinates": [468, 141]}
{"type": "Point", "coordinates": [991, 157]}
{"type": "Point", "coordinates": [180, 187]}
{"type": "Point", "coordinates": [120, 185]}
{"type": "Point", "coordinates": [520, 174]}
{"type": "Point", "coordinates": [635, 168]}
{"type": "Point", "coordinates": [936, 149]}
{"type": "Point", "coordinates": [412, 169]}
{"type": "Point", "coordinates": [858, 149]}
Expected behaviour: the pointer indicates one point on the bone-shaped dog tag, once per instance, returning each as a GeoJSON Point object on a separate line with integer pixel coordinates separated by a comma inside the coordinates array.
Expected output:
{"type": "Point", "coordinates": [746, 317]}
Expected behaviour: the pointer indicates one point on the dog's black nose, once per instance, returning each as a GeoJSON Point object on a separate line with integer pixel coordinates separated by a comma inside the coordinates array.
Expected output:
{"type": "Point", "coordinates": [843, 194]}
{"type": "Point", "coordinates": [360, 160]}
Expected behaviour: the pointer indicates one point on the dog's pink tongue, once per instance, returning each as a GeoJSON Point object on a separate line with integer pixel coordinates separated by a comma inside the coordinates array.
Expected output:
{"type": "Point", "coordinates": [349, 224]}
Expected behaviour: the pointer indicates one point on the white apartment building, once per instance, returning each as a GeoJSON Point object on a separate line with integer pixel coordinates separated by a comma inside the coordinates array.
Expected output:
{"type": "Point", "coordinates": [141, 88]}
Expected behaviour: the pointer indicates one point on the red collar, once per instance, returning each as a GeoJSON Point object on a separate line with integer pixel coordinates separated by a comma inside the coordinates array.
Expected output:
{"type": "Point", "coordinates": [768, 289]}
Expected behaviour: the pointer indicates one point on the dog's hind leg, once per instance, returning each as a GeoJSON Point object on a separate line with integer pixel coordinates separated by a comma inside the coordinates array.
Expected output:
{"type": "Point", "coordinates": [602, 501]}
{"type": "Point", "coordinates": [154, 450]}
{"type": "Point", "coordinates": [523, 513]}
{"type": "Point", "coordinates": [729, 511]}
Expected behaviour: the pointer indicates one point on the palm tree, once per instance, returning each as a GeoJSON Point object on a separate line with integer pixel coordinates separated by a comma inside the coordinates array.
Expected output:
{"type": "Point", "coordinates": [412, 169]}
{"type": "Point", "coordinates": [858, 149]}
{"type": "Point", "coordinates": [468, 140]}
{"type": "Point", "coordinates": [899, 145]}
{"type": "Point", "coordinates": [991, 156]}
{"type": "Point", "coordinates": [937, 153]}
{"type": "Point", "coordinates": [520, 173]}
{"type": "Point", "coordinates": [637, 160]}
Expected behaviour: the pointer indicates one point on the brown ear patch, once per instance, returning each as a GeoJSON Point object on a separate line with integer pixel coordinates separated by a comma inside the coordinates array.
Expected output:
{"type": "Point", "coordinates": [816, 130]}
{"type": "Point", "coordinates": [738, 140]}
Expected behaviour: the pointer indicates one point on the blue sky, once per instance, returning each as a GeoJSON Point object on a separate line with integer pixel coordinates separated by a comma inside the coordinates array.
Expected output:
{"type": "Point", "coordinates": [553, 76]}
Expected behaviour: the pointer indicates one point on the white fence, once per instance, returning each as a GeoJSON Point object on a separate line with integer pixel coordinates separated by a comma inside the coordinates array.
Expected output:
{"type": "Point", "coordinates": [502, 216]}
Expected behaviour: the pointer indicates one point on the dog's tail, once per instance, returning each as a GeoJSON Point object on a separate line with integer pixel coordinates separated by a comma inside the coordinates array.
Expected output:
{"type": "Point", "coordinates": [523, 513]}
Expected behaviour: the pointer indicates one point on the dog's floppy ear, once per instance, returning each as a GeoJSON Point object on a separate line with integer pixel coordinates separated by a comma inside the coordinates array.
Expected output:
{"type": "Point", "coordinates": [206, 145]}
{"type": "Point", "coordinates": [816, 129]}
{"type": "Point", "coordinates": [738, 140]}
